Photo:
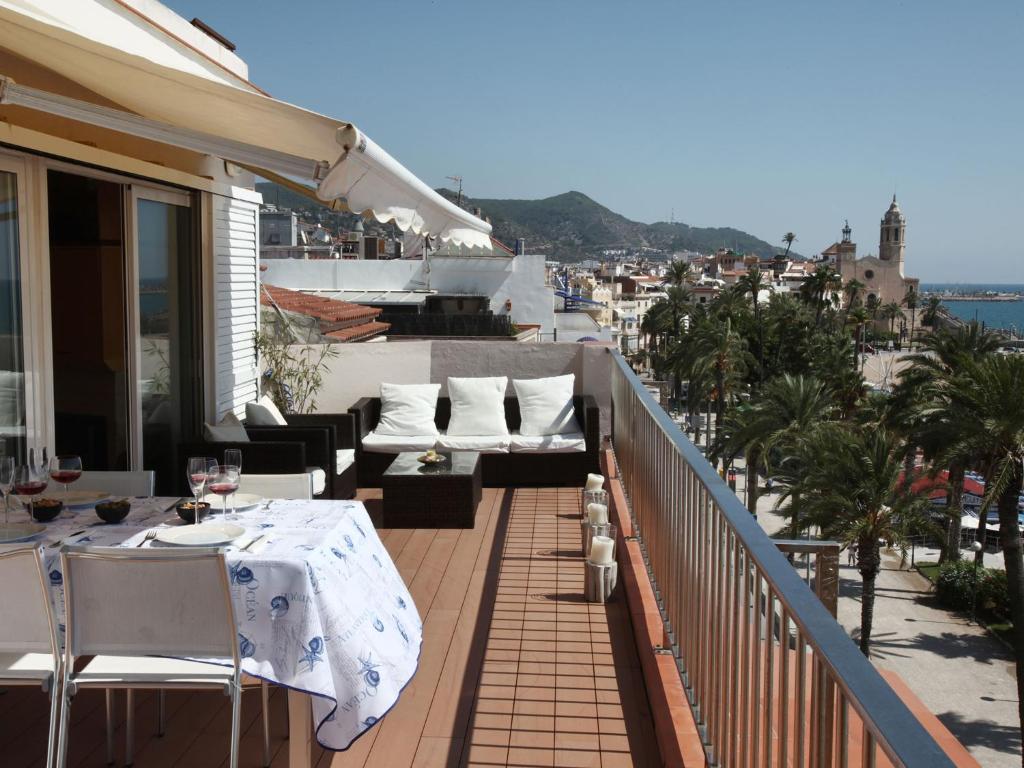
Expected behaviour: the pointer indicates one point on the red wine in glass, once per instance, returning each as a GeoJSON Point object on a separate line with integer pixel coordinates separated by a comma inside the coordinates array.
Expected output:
{"type": "Point", "coordinates": [224, 482]}
{"type": "Point", "coordinates": [65, 470]}
{"type": "Point", "coordinates": [30, 487]}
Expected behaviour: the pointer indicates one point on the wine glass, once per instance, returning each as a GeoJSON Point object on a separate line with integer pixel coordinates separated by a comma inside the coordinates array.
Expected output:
{"type": "Point", "coordinates": [30, 480]}
{"type": "Point", "coordinates": [233, 458]}
{"type": "Point", "coordinates": [6, 484]}
{"type": "Point", "coordinates": [197, 477]}
{"type": "Point", "coordinates": [65, 470]}
{"type": "Point", "coordinates": [224, 482]}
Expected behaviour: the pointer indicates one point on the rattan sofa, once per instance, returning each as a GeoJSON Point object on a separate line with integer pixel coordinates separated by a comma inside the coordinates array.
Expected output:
{"type": "Point", "coordinates": [500, 470]}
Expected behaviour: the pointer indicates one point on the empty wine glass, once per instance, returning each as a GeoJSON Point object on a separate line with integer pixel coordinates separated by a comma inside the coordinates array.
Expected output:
{"type": "Point", "coordinates": [224, 483]}
{"type": "Point", "coordinates": [197, 477]}
{"type": "Point", "coordinates": [6, 485]}
{"type": "Point", "coordinates": [65, 470]}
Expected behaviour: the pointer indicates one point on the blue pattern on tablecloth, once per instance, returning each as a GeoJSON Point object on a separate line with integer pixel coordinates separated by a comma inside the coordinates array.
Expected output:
{"type": "Point", "coordinates": [310, 606]}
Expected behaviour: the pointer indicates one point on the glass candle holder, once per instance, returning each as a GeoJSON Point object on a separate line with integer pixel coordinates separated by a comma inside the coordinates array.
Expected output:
{"type": "Point", "coordinates": [602, 544]}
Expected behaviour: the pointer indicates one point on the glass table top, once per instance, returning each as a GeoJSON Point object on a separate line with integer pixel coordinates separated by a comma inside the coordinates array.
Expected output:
{"type": "Point", "coordinates": [455, 463]}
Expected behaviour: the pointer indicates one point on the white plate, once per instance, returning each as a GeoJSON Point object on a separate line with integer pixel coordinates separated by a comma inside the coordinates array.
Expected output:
{"type": "Point", "coordinates": [242, 501]}
{"type": "Point", "coordinates": [202, 535]}
{"type": "Point", "coordinates": [20, 532]}
{"type": "Point", "coordinates": [78, 499]}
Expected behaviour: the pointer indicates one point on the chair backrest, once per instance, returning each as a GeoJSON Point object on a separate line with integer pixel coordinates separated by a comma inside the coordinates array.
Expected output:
{"type": "Point", "coordinates": [26, 614]}
{"type": "Point", "coordinates": [297, 486]}
{"type": "Point", "coordinates": [159, 601]}
{"type": "Point", "coordinates": [138, 483]}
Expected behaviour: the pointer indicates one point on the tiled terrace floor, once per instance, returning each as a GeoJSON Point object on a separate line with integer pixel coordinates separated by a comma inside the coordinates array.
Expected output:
{"type": "Point", "coordinates": [516, 670]}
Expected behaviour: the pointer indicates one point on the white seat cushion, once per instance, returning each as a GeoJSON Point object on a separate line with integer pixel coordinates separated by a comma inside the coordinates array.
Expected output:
{"type": "Point", "coordinates": [25, 666]}
{"type": "Point", "coordinates": [478, 406]}
{"type": "Point", "coordinates": [319, 479]}
{"type": "Point", "coordinates": [375, 443]}
{"type": "Point", "coordinates": [545, 406]}
{"type": "Point", "coordinates": [264, 413]}
{"type": "Point", "coordinates": [109, 670]}
{"type": "Point", "coordinates": [570, 443]}
{"type": "Point", "coordinates": [481, 443]}
{"type": "Point", "coordinates": [407, 409]}
{"type": "Point", "coordinates": [344, 458]}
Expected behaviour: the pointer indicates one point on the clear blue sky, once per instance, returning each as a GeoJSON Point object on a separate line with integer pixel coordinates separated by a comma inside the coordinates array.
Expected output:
{"type": "Point", "coordinates": [764, 116]}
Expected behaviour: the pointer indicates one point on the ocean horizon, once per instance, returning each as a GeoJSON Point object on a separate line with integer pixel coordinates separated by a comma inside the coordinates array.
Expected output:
{"type": "Point", "coordinates": [994, 314]}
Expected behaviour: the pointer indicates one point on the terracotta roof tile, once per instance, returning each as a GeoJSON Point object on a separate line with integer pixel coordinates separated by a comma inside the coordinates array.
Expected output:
{"type": "Point", "coordinates": [358, 332]}
{"type": "Point", "coordinates": [337, 318]}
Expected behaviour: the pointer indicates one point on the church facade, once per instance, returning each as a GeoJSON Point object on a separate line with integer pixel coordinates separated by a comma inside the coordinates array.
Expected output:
{"type": "Point", "coordinates": [882, 275]}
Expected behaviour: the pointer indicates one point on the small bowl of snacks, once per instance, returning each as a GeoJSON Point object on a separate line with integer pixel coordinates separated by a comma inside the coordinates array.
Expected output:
{"type": "Point", "coordinates": [113, 511]}
{"type": "Point", "coordinates": [187, 510]}
{"type": "Point", "coordinates": [45, 510]}
{"type": "Point", "coordinates": [432, 457]}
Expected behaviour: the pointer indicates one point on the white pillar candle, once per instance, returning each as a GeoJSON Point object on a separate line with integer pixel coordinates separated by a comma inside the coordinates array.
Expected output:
{"type": "Point", "coordinates": [594, 482]}
{"type": "Point", "coordinates": [597, 513]}
{"type": "Point", "coordinates": [601, 550]}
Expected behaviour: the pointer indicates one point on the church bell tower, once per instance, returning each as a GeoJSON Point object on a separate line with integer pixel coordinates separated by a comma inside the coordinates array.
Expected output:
{"type": "Point", "coordinates": [891, 238]}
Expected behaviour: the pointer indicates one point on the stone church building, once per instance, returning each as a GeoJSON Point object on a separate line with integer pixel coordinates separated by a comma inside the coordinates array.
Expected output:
{"type": "Point", "coordinates": [882, 275]}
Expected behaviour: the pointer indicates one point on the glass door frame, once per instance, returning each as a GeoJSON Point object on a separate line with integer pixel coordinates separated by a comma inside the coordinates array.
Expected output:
{"type": "Point", "coordinates": [134, 193]}
{"type": "Point", "coordinates": [34, 306]}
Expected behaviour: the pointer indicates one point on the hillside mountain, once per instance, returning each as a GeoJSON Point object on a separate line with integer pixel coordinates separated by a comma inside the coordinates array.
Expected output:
{"type": "Point", "coordinates": [570, 226]}
{"type": "Point", "coordinates": [573, 226]}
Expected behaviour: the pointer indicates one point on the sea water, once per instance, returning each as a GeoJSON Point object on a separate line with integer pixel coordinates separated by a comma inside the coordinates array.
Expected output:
{"type": "Point", "coordinates": [994, 314]}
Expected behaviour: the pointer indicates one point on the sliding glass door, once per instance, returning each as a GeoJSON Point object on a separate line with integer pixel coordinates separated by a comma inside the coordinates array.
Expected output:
{"type": "Point", "coordinates": [12, 361]}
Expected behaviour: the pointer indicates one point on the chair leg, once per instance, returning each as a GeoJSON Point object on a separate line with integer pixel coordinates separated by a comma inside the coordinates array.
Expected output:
{"type": "Point", "coordinates": [236, 716]}
{"type": "Point", "coordinates": [62, 728]}
{"type": "Point", "coordinates": [161, 712]}
{"type": "Point", "coordinates": [129, 728]}
{"type": "Point", "coordinates": [109, 699]}
{"type": "Point", "coordinates": [51, 736]}
{"type": "Point", "coordinates": [265, 694]}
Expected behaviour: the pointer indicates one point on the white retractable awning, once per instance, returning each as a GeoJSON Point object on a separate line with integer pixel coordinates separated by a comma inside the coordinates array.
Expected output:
{"type": "Point", "coordinates": [159, 87]}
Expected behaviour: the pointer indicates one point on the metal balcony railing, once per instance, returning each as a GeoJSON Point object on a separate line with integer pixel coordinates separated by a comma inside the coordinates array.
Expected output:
{"type": "Point", "coordinates": [772, 678]}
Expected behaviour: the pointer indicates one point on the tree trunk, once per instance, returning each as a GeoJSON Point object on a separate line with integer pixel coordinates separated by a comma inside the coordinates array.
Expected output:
{"type": "Point", "coordinates": [954, 508]}
{"type": "Point", "coordinates": [1009, 539]}
{"type": "Point", "coordinates": [794, 524]}
{"type": "Point", "coordinates": [869, 562]}
{"type": "Point", "coordinates": [751, 459]}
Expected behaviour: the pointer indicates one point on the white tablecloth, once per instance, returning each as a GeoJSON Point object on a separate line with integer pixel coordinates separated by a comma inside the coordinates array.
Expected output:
{"type": "Point", "coordinates": [320, 608]}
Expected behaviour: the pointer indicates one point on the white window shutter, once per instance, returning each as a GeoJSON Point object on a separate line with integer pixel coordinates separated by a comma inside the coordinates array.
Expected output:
{"type": "Point", "coordinates": [236, 292]}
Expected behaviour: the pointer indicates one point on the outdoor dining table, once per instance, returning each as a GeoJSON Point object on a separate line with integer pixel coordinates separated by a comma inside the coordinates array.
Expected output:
{"type": "Point", "coordinates": [320, 607]}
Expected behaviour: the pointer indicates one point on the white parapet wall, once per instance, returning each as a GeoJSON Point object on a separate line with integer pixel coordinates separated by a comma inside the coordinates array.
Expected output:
{"type": "Point", "coordinates": [514, 286]}
{"type": "Point", "coordinates": [359, 369]}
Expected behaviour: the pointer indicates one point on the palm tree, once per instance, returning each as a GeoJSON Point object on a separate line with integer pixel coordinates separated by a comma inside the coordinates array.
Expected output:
{"type": "Point", "coordinates": [931, 311]}
{"type": "Point", "coordinates": [772, 425]}
{"type": "Point", "coordinates": [943, 357]}
{"type": "Point", "coordinates": [817, 287]}
{"type": "Point", "coordinates": [987, 410]}
{"type": "Point", "coordinates": [753, 283]}
{"type": "Point", "coordinates": [910, 302]}
{"type": "Point", "coordinates": [859, 316]}
{"type": "Point", "coordinates": [891, 312]}
{"type": "Point", "coordinates": [789, 238]}
{"type": "Point", "coordinates": [679, 272]}
{"type": "Point", "coordinates": [851, 489]}
{"type": "Point", "coordinates": [853, 289]}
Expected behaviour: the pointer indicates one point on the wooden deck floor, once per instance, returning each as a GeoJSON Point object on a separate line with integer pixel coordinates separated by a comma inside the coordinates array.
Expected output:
{"type": "Point", "coordinates": [516, 670]}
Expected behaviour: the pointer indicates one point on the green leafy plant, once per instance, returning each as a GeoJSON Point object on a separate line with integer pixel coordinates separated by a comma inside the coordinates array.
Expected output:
{"type": "Point", "coordinates": [957, 581]}
{"type": "Point", "coordinates": [293, 374]}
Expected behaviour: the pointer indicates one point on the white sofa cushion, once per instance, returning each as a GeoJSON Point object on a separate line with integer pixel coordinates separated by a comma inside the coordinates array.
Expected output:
{"type": "Point", "coordinates": [478, 406]}
{"type": "Point", "coordinates": [481, 443]}
{"type": "Point", "coordinates": [568, 443]}
{"type": "Point", "coordinates": [375, 443]}
{"type": "Point", "coordinates": [344, 458]}
{"type": "Point", "coordinates": [319, 479]}
{"type": "Point", "coordinates": [545, 406]}
{"type": "Point", "coordinates": [263, 413]}
{"type": "Point", "coordinates": [230, 430]}
{"type": "Point", "coordinates": [408, 409]}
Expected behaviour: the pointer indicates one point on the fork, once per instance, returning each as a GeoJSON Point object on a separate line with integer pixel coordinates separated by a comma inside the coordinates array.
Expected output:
{"type": "Point", "coordinates": [150, 535]}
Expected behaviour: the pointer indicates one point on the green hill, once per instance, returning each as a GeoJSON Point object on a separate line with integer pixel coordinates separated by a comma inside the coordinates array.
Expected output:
{"type": "Point", "coordinates": [567, 226]}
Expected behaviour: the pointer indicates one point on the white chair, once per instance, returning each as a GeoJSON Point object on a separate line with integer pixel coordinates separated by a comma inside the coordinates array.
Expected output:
{"type": "Point", "coordinates": [29, 652]}
{"type": "Point", "coordinates": [138, 483]}
{"type": "Point", "coordinates": [298, 486]}
{"type": "Point", "coordinates": [128, 608]}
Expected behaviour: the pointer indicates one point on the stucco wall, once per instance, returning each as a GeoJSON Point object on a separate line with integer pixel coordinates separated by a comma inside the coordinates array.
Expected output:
{"type": "Point", "coordinates": [359, 369]}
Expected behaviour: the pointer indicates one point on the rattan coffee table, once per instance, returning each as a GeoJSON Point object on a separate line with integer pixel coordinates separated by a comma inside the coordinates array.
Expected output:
{"type": "Point", "coordinates": [443, 495]}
